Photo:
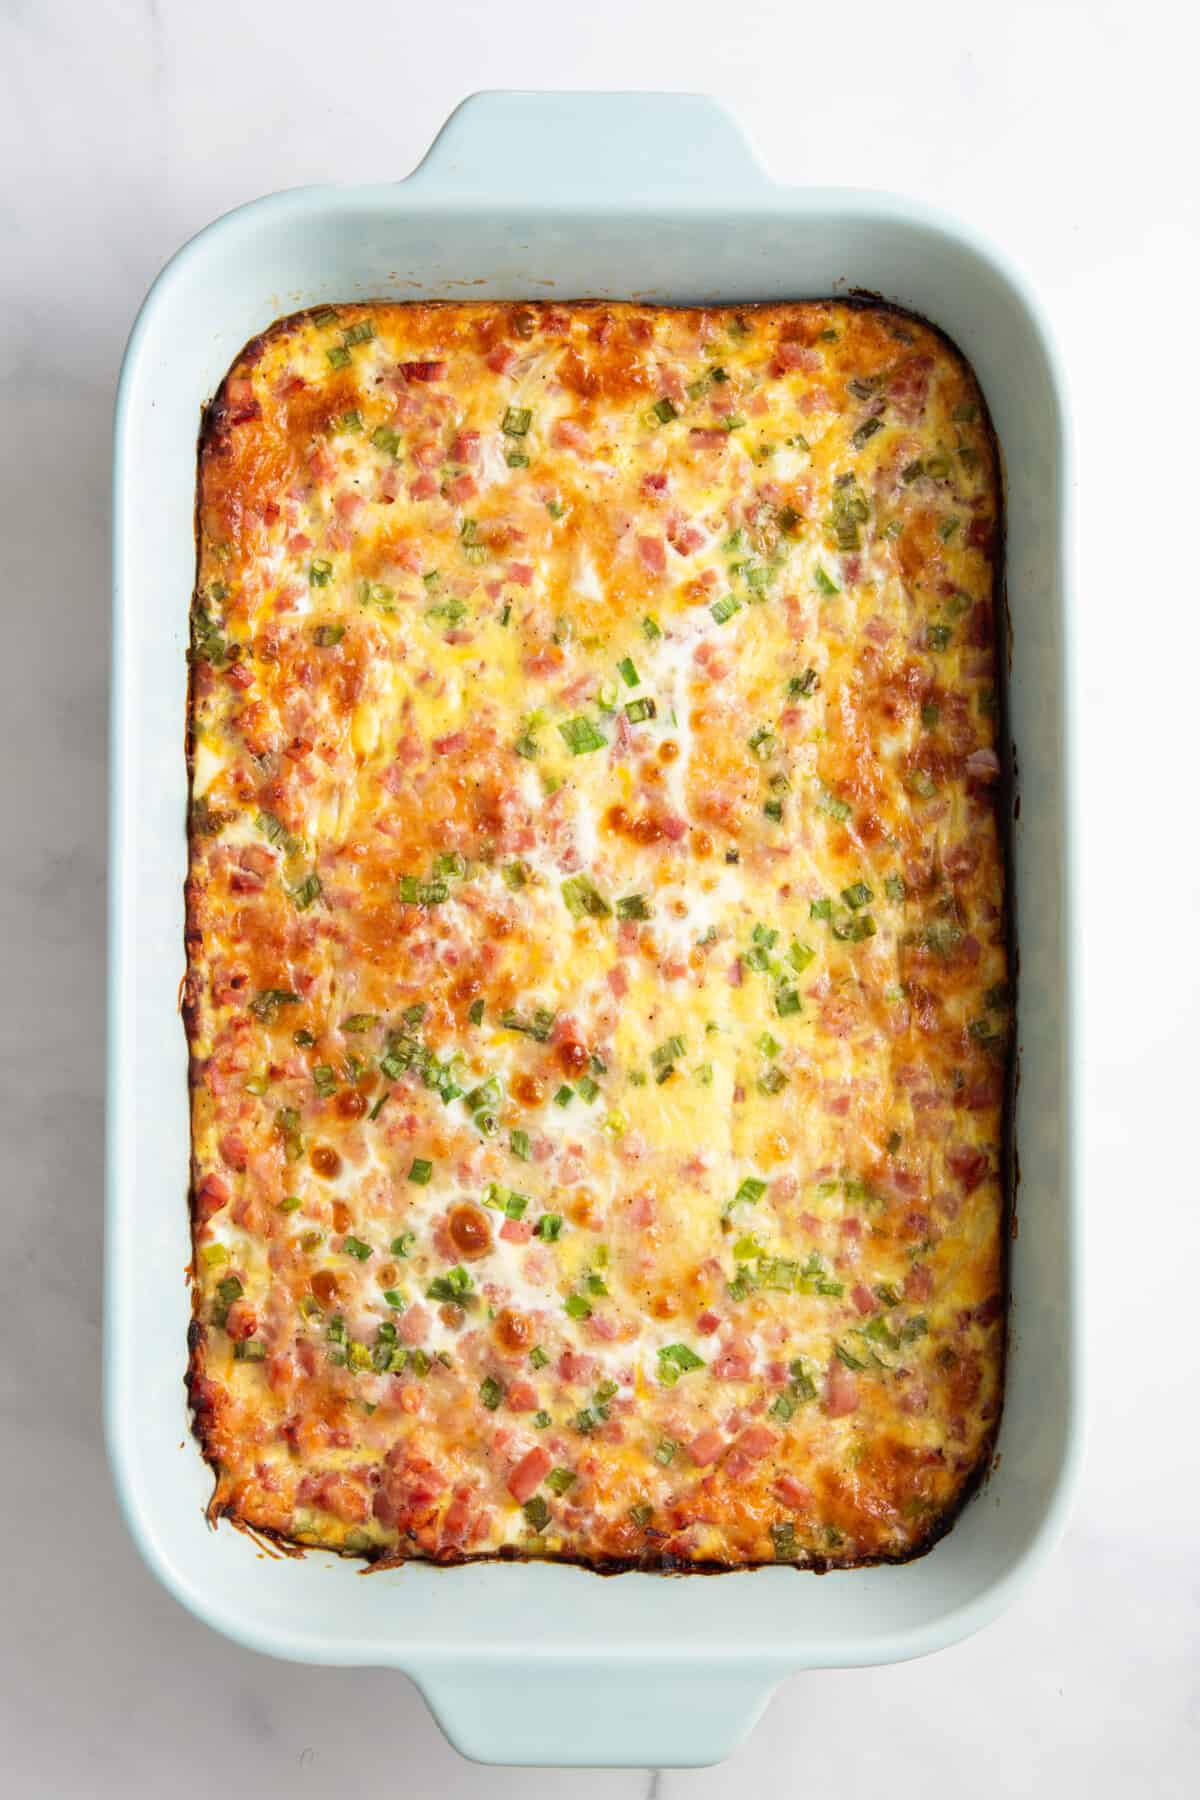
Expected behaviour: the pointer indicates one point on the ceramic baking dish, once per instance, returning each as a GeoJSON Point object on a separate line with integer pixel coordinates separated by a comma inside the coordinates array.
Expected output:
{"type": "Point", "coordinates": [571, 196]}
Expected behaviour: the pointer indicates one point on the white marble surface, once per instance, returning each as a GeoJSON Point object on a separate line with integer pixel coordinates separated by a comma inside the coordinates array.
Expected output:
{"type": "Point", "coordinates": [1067, 133]}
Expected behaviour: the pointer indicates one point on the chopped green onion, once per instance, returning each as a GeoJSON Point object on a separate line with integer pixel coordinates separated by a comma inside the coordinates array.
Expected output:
{"type": "Point", "coordinates": [475, 1012]}
{"type": "Point", "coordinates": [664, 1452]}
{"type": "Point", "coordinates": [564, 1096]}
{"type": "Point", "coordinates": [456, 1284]}
{"type": "Point", "coordinates": [724, 609]}
{"type": "Point", "coordinates": [308, 890]}
{"type": "Point", "coordinates": [772, 1080]}
{"type": "Point", "coordinates": [320, 574]}
{"type": "Point", "coordinates": [355, 1247]}
{"type": "Point", "coordinates": [937, 637]}
{"type": "Point", "coordinates": [420, 1171]}
{"type": "Point", "coordinates": [386, 440]}
{"type": "Point", "coordinates": [751, 1189]}
{"type": "Point", "coordinates": [339, 356]}
{"type": "Point", "coordinates": [833, 807]}
{"type": "Point", "coordinates": [559, 1480]}
{"type": "Point", "coordinates": [787, 1001]}
{"type": "Point", "coordinates": [581, 736]}
{"type": "Point", "coordinates": [537, 1512]}
{"type": "Point", "coordinates": [651, 629]}
{"type": "Point", "coordinates": [490, 1392]}
{"type": "Point", "coordinates": [267, 1001]}
{"type": "Point", "coordinates": [665, 410]}
{"type": "Point", "coordinates": [681, 1356]}
{"type": "Point", "coordinates": [628, 671]}
{"type": "Point", "coordinates": [865, 432]}
{"type": "Point", "coordinates": [517, 459]}
{"type": "Point", "coordinates": [324, 1080]}
{"type": "Point", "coordinates": [518, 1143]}
{"type": "Point", "coordinates": [800, 955]}
{"type": "Point", "coordinates": [824, 583]}
{"type": "Point", "coordinates": [783, 1538]}
{"type": "Point", "coordinates": [894, 888]}
{"type": "Point", "coordinates": [359, 332]}
{"type": "Point", "coordinates": [582, 899]}
{"type": "Point", "coordinates": [636, 711]}
{"type": "Point", "coordinates": [549, 1227]}
{"type": "Point", "coordinates": [587, 1089]}
{"type": "Point", "coordinates": [767, 1045]}
{"type": "Point", "coordinates": [577, 1307]}
{"type": "Point", "coordinates": [516, 421]}
{"type": "Point", "coordinates": [859, 894]}
{"type": "Point", "coordinates": [633, 906]}
{"type": "Point", "coordinates": [538, 1357]}
{"type": "Point", "coordinates": [394, 1299]}
{"type": "Point", "coordinates": [773, 809]}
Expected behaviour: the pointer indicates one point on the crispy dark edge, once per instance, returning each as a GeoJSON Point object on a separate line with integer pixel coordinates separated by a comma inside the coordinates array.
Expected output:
{"type": "Point", "coordinates": [213, 424]}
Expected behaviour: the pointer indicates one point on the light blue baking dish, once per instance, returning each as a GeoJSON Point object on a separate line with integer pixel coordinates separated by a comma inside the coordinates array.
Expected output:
{"type": "Point", "coordinates": [571, 196]}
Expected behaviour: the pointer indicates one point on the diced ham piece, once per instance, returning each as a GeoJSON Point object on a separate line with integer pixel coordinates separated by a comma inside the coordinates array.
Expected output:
{"type": "Point", "coordinates": [755, 1442]}
{"type": "Point", "coordinates": [572, 1366]}
{"type": "Point", "coordinates": [521, 1397]}
{"type": "Point", "coordinates": [735, 1361]}
{"type": "Point", "coordinates": [863, 1299]}
{"type": "Point", "coordinates": [211, 1196]}
{"type": "Point", "coordinates": [465, 448]}
{"type": "Point", "coordinates": [653, 553]}
{"type": "Point", "coordinates": [502, 359]}
{"type": "Point", "coordinates": [841, 1390]}
{"type": "Point", "coordinates": [517, 1231]}
{"type": "Point", "coordinates": [792, 1492]}
{"type": "Point", "coordinates": [424, 371]}
{"type": "Point", "coordinates": [567, 435]}
{"type": "Point", "coordinates": [414, 1324]}
{"type": "Point", "coordinates": [683, 537]}
{"type": "Point", "coordinates": [705, 1448]}
{"type": "Point", "coordinates": [424, 487]}
{"type": "Point", "coordinates": [707, 1323]}
{"type": "Point", "coordinates": [348, 507]}
{"type": "Point", "coordinates": [967, 1165]}
{"type": "Point", "coordinates": [461, 489]}
{"type": "Point", "coordinates": [528, 1475]}
{"type": "Point", "coordinates": [795, 356]}
{"type": "Point", "coordinates": [521, 573]}
{"type": "Point", "coordinates": [703, 437]}
{"type": "Point", "coordinates": [983, 765]}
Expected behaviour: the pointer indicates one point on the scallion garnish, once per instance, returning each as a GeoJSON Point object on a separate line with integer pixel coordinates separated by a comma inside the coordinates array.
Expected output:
{"type": "Point", "coordinates": [490, 1392]}
{"type": "Point", "coordinates": [665, 410]}
{"type": "Point", "coordinates": [355, 1247]}
{"type": "Point", "coordinates": [583, 900]}
{"type": "Point", "coordinates": [651, 629]}
{"type": "Point", "coordinates": [549, 1227]}
{"type": "Point", "coordinates": [320, 573]}
{"type": "Point", "coordinates": [633, 906]}
{"type": "Point", "coordinates": [420, 1171]}
{"type": "Point", "coordinates": [581, 736]}
{"type": "Point", "coordinates": [628, 671]}
{"type": "Point", "coordinates": [723, 610]}
{"type": "Point", "coordinates": [516, 421]}
{"type": "Point", "coordinates": [824, 583]}
{"type": "Point", "coordinates": [637, 711]}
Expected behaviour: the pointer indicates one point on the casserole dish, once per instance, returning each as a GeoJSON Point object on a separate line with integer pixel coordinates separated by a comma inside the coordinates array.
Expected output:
{"type": "Point", "coordinates": [633, 1671]}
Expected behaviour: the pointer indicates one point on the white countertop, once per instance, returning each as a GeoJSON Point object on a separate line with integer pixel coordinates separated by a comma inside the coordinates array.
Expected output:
{"type": "Point", "coordinates": [1068, 134]}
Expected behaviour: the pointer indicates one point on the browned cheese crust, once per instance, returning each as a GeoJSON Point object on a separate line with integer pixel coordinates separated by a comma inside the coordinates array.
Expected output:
{"type": "Point", "coordinates": [597, 983]}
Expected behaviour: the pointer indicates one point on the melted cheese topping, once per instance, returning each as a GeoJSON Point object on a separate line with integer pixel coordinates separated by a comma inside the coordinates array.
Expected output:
{"type": "Point", "coordinates": [596, 934]}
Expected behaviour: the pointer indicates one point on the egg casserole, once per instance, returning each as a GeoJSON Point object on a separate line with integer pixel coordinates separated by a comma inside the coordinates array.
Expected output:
{"type": "Point", "coordinates": [597, 990]}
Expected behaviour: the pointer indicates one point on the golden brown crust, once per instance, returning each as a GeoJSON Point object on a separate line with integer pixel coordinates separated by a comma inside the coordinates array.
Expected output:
{"type": "Point", "coordinates": [431, 743]}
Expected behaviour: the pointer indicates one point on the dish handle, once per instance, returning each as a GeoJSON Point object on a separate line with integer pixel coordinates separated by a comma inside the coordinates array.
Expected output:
{"type": "Point", "coordinates": [576, 1714]}
{"type": "Point", "coordinates": [507, 146]}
